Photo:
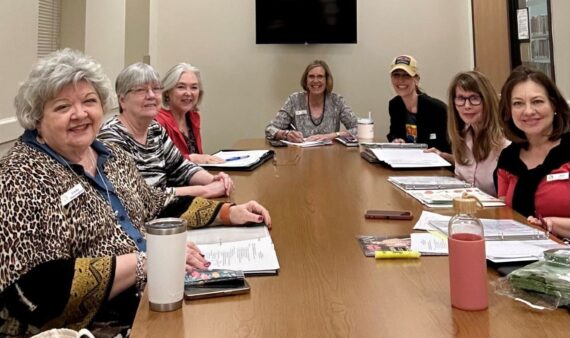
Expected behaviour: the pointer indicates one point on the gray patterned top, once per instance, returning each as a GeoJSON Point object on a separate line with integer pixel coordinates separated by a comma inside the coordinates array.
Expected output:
{"type": "Point", "coordinates": [295, 112]}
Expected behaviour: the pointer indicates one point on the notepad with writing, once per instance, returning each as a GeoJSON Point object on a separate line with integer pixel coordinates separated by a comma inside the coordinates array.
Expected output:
{"type": "Point", "coordinates": [249, 249]}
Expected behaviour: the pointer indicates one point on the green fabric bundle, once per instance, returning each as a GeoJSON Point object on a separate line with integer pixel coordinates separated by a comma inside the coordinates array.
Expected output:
{"type": "Point", "coordinates": [550, 277]}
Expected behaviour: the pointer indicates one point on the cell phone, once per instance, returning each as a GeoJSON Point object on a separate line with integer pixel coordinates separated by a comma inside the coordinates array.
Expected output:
{"type": "Point", "coordinates": [389, 214]}
{"type": "Point", "coordinates": [191, 293]}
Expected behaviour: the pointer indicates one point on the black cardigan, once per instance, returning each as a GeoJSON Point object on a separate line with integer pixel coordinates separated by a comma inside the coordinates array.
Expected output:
{"type": "Point", "coordinates": [431, 120]}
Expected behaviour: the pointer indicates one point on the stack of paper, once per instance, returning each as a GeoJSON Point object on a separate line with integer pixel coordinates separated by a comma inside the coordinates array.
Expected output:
{"type": "Point", "coordinates": [408, 158]}
{"type": "Point", "coordinates": [443, 198]}
{"type": "Point", "coordinates": [249, 249]}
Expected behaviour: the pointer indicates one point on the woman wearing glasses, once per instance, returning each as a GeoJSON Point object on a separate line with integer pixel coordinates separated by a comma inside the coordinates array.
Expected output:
{"type": "Point", "coordinates": [415, 117]}
{"type": "Point", "coordinates": [157, 158]}
{"type": "Point", "coordinates": [315, 113]}
{"type": "Point", "coordinates": [474, 129]}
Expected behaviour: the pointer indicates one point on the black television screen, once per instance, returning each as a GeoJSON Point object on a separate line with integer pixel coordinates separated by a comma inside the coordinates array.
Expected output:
{"type": "Point", "coordinates": [305, 21]}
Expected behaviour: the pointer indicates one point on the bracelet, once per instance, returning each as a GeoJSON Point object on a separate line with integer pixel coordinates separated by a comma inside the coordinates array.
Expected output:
{"type": "Point", "coordinates": [225, 213]}
{"type": "Point", "coordinates": [140, 275]}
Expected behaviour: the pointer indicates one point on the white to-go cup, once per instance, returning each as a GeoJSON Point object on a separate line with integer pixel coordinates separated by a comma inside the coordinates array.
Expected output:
{"type": "Point", "coordinates": [365, 129]}
{"type": "Point", "coordinates": [166, 263]}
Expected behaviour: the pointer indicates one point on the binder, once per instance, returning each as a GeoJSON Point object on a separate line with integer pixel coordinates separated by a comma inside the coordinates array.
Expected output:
{"type": "Point", "coordinates": [386, 145]}
{"type": "Point", "coordinates": [501, 230]}
{"type": "Point", "coordinates": [427, 182]}
{"type": "Point", "coordinates": [254, 160]}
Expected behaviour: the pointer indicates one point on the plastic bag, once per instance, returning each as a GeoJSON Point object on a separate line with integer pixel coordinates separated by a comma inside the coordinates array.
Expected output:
{"type": "Point", "coordinates": [543, 285]}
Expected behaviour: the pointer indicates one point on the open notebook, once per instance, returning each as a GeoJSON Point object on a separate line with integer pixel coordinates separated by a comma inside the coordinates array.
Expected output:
{"type": "Point", "coordinates": [249, 249]}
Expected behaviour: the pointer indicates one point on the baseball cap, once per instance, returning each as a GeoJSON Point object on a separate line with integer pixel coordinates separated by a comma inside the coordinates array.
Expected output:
{"type": "Point", "coordinates": [406, 63]}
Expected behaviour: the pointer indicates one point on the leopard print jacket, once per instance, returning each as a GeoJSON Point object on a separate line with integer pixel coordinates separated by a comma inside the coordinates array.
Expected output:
{"type": "Point", "coordinates": [36, 228]}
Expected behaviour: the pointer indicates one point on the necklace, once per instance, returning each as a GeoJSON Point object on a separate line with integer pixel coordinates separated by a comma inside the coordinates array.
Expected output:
{"type": "Point", "coordinates": [320, 119]}
{"type": "Point", "coordinates": [92, 158]}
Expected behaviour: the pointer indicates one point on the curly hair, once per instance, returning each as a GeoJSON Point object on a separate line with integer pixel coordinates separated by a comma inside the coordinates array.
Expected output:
{"type": "Point", "coordinates": [50, 75]}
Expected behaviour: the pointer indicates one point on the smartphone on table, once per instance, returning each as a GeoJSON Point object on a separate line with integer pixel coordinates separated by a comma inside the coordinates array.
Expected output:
{"type": "Point", "coordinates": [389, 214]}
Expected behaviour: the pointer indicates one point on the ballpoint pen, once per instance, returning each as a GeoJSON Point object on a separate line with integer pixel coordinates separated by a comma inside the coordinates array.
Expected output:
{"type": "Point", "coordinates": [235, 158]}
{"type": "Point", "coordinates": [544, 225]}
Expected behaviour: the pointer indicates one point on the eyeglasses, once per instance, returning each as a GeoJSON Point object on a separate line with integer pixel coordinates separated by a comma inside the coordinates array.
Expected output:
{"type": "Point", "coordinates": [142, 91]}
{"type": "Point", "coordinates": [317, 77]}
{"type": "Point", "coordinates": [474, 100]}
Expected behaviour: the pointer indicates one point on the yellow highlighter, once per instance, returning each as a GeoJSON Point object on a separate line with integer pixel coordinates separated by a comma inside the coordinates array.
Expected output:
{"type": "Point", "coordinates": [396, 254]}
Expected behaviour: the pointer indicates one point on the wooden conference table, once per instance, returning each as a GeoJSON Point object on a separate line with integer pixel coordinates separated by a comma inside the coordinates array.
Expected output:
{"type": "Point", "coordinates": [326, 287]}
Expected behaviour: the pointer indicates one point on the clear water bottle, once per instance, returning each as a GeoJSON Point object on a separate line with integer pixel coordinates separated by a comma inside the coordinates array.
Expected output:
{"type": "Point", "coordinates": [467, 264]}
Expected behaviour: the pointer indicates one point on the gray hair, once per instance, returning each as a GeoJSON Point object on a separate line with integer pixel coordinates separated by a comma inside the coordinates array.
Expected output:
{"type": "Point", "coordinates": [171, 78]}
{"type": "Point", "coordinates": [48, 78]}
{"type": "Point", "coordinates": [137, 74]}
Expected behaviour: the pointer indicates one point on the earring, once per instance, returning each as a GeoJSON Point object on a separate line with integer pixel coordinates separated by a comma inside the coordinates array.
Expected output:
{"type": "Point", "coordinates": [555, 113]}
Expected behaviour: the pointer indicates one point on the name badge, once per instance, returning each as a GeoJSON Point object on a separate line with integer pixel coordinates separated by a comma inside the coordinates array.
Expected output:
{"type": "Point", "coordinates": [300, 112]}
{"type": "Point", "coordinates": [432, 136]}
{"type": "Point", "coordinates": [72, 194]}
{"type": "Point", "coordinates": [557, 177]}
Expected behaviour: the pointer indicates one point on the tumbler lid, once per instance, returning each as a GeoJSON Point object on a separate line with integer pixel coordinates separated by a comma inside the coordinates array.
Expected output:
{"type": "Point", "coordinates": [166, 226]}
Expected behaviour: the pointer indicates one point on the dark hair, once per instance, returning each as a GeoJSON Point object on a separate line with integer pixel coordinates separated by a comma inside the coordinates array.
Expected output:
{"type": "Point", "coordinates": [328, 75]}
{"type": "Point", "coordinates": [489, 136]}
{"type": "Point", "coordinates": [561, 120]}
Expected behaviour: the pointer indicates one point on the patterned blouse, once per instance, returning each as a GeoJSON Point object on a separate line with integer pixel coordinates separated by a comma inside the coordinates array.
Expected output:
{"type": "Point", "coordinates": [159, 161]}
{"type": "Point", "coordinates": [295, 112]}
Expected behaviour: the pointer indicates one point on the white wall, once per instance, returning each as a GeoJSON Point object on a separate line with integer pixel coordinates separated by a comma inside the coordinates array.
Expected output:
{"type": "Point", "coordinates": [105, 34]}
{"type": "Point", "coordinates": [560, 10]}
{"type": "Point", "coordinates": [18, 37]}
{"type": "Point", "coordinates": [246, 84]}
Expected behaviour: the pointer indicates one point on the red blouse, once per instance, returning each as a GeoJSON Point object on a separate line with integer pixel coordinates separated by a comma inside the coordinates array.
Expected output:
{"type": "Point", "coordinates": [167, 121]}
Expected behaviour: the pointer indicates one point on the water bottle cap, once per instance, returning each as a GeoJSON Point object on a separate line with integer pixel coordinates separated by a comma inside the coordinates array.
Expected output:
{"type": "Point", "coordinates": [466, 204]}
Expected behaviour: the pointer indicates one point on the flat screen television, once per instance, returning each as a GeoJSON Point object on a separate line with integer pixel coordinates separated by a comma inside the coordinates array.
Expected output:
{"type": "Point", "coordinates": [305, 21]}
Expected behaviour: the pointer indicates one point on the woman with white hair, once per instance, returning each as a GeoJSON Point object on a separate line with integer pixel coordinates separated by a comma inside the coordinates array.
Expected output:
{"type": "Point", "coordinates": [182, 92]}
{"type": "Point", "coordinates": [135, 130]}
{"type": "Point", "coordinates": [73, 209]}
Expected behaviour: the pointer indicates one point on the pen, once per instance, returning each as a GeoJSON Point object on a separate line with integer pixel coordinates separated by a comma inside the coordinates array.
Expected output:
{"type": "Point", "coordinates": [292, 126]}
{"type": "Point", "coordinates": [396, 254]}
{"type": "Point", "coordinates": [235, 158]}
{"type": "Point", "coordinates": [544, 225]}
